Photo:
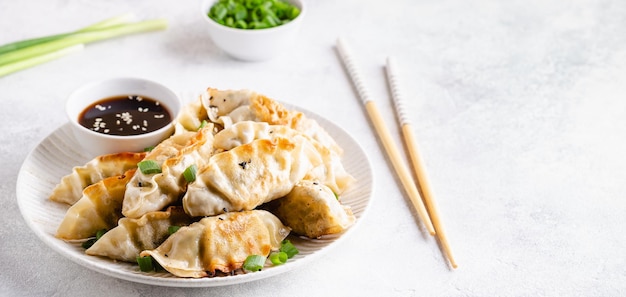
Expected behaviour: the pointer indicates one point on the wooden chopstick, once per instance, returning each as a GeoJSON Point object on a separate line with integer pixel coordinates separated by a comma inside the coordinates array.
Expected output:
{"type": "Point", "coordinates": [416, 158]}
{"type": "Point", "coordinates": [385, 136]}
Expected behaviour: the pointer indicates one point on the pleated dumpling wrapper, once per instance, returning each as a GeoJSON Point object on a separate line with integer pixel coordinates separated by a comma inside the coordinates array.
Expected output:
{"type": "Point", "coordinates": [131, 236]}
{"type": "Point", "coordinates": [249, 175]}
{"type": "Point", "coordinates": [219, 243]}
{"type": "Point", "coordinates": [312, 209]}
{"type": "Point", "coordinates": [191, 116]}
{"type": "Point", "coordinates": [149, 192]}
{"type": "Point", "coordinates": [71, 187]}
{"type": "Point", "coordinates": [331, 173]}
{"type": "Point", "coordinates": [100, 207]}
{"type": "Point", "coordinates": [227, 107]}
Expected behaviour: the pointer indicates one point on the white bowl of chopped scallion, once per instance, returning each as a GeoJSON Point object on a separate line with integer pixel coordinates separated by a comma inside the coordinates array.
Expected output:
{"type": "Point", "coordinates": [253, 30]}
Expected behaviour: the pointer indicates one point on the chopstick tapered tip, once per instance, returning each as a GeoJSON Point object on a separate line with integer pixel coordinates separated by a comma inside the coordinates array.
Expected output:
{"type": "Point", "coordinates": [452, 262]}
{"type": "Point", "coordinates": [416, 159]}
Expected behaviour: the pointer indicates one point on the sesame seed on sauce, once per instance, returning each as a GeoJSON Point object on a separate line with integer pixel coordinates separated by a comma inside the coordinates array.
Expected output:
{"type": "Point", "coordinates": [125, 115]}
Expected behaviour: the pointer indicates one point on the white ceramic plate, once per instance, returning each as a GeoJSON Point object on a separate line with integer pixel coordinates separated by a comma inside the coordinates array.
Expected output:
{"type": "Point", "coordinates": [55, 156]}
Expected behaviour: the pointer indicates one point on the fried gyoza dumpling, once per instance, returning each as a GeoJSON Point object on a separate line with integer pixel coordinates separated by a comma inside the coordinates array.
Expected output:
{"type": "Point", "coordinates": [227, 107]}
{"type": "Point", "coordinates": [99, 208]}
{"type": "Point", "coordinates": [219, 243]}
{"type": "Point", "coordinates": [312, 209]}
{"type": "Point", "coordinates": [170, 147]}
{"type": "Point", "coordinates": [71, 187]}
{"type": "Point", "coordinates": [331, 173]}
{"type": "Point", "coordinates": [155, 191]}
{"type": "Point", "coordinates": [131, 236]}
{"type": "Point", "coordinates": [249, 175]}
{"type": "Point", "coordinates": [191, 116]}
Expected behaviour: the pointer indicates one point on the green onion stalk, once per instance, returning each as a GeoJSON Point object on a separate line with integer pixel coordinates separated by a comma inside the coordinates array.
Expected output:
{"type": "Point", "coordinates": [36, 60]}
{"type": "Point", "coordinates": [27, 53]}
{"type": "Point", "coordinates": [34, 41]}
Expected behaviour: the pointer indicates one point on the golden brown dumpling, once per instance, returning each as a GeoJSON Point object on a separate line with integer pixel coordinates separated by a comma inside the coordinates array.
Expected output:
{"type": "Point", "coordinates": [70, 189]}
{"type": "Point", "coordinates": [219, 243]}
{"type": "Point", "coordinates": [249, 175]}
{"type": "Point", "coordinates": [227, 107]}
{"type": "Point", "coordinates": [170, 147]}
{"type": "Point", "coordinates": [131, 236]}
{"type": "Point", "coordinates": [99, 208]}
{"type": "Point", "coordinates": [330, 173]}
{"type": "Point", "coordinates": [191, 116]}
{"type": "Point", "coordinates": [155, 191]}
{"type": "Point", "coordinates": [312, 209]}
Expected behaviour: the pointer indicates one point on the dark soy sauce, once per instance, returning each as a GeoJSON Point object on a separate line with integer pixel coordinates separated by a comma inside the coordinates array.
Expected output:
{"type": "Point", "coordinates": [125, 115]}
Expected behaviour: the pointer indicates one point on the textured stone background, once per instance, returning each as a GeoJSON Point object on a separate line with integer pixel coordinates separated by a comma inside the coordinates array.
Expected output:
{"type": "Point", "coordinates": [518, 106]}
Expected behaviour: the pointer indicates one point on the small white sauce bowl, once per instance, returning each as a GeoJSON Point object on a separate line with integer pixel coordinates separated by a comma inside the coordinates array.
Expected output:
{"type": "Point", "coordinates": [253, 44]}
{"type": "Point", "coordinates": [95, 143]}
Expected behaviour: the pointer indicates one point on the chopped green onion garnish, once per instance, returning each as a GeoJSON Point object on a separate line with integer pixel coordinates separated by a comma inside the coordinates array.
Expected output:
{"type": "Point", "coordinates": [336, 196]}
{"type": "Point", "coordinates": [287, 247]}
{"type": "Point", "coordinates": [240, 12]}
{"type": "Point", "coordinates": [278, 258]}
{"type": "Point", "coordinates": [172, 229]}
{"type": "Point", "coordinates": [203, 124]}
{"type": "Point", "coordinates": [241, 24]}
{"type": "Point", "coordinates": [254, 263]}
{"type": "Point", "coordinates": [87, 244]}
{"type": "Point", "coordinates": [149, 167]}
{"type": "Point", "coordinates": [145, 263]}
{"type": "Point", "coordinates": [253, 14]}
{"type": "Point", "coordinates": [230, 22]}
{"type": "Point", "coordinates": [148, 149]}
{"type": "Point", "coordinates": [219, 11]}
{"type": "Point", "coordinates": [190, 173]}
{"type": "Point", "coordinates": [100, 233]}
